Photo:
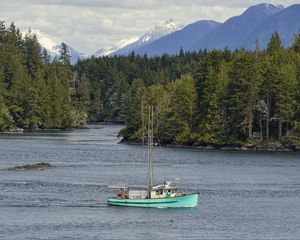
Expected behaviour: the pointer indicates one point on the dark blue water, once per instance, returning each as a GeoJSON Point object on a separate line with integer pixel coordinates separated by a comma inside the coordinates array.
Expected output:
{"type": "Point", "coordinates": [243, 195]}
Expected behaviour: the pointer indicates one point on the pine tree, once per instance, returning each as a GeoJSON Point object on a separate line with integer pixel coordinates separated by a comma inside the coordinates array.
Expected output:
{"type": "Point", "coordinates": [212, 124]}
{"type": "Point", "coordinates": [242, 94]}
{"type": "Point", "coordinates": [96, 107]}
{"type": "Point", "coordinates": [45, 56]}
{"type": "Point", "coordinates": [2, 33]}
{"type": "Point", "coordinates": [32, 54]}
{"type": "Point", "coordinates": [6, 120]}
{"type": "Point", "coordinates": [182, 105]}
{"type": "Point", "coordinates": [284, 87]}
{"type": "Point", "coordinates": [296, 43]}
{"type": "Point", "coordinates": [133, 120]}
{"type": "Point", "coordinates": [274, 43]}
{"type": "Point", "coordinates": [65, 56]}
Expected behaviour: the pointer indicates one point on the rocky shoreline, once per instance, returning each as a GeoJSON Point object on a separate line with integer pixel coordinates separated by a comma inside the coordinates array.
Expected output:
{"type": "Point", "coordinates": [271, 146]}
{"type": "Point", "coordinates": [95, 125]}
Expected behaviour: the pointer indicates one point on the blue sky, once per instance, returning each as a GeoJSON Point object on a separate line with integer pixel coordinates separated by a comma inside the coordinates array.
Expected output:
{"type": "Point", "coordinates": [88, 25]}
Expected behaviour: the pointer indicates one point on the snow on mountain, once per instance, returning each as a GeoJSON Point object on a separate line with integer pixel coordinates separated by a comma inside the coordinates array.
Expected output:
{"type": "Point", "coordinates": [46, 41]}
{"type": "Point", "coordinates": [184, 38]}
{"type": "Point", "coordinates": [113, 48]}
{"type": "Point", "coordinates": [258, 22]}
{"type": "Point", "coordinates": [53, 45]}
{"type": "Point", "coordinates": [153, 34]}
{"type": "Point", "coordinates": [159, 31]}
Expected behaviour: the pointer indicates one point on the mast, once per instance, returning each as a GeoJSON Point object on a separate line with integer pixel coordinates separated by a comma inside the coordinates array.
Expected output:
{"type": "Point", "coordinates": [143, 124]}
{"type": "Point", "coordinates": [150, 148]}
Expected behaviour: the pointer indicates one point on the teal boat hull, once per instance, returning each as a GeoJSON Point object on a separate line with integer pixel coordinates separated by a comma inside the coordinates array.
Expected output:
{"type": "Point", "coordinates": [190, 200]}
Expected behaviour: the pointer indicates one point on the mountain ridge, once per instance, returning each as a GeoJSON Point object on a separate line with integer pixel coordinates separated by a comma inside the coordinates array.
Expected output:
{"type": "Point", "coordinates": [257, 22]}
{"type": "Point", "coordinates": [232, 32]}
{"type": "Point", "coordinates": [286, 23]}
{"type": "Point", "coordinates": [153, 34]}
{"type": "Point", "coordinates": [180, 39]}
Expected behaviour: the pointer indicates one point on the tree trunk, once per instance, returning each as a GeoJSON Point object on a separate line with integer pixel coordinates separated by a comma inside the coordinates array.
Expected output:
{"type": "Point", "coordinates": [280, 129]}
{"type": "Point", "coordinates": [260, 126]}
{"type": "Point", "coordinates": [268, 118]}
{"type": "Point", "coordinates": [250, 125]}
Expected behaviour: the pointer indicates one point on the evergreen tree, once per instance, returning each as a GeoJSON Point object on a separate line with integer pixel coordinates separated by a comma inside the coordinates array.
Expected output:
{"type": "Point", "coordinates": [182, 106]}
{"type": "Point", "coordinates": [65, 56]}
{"type": "Point", "coordinates": [211, 128]}
{"type": "Point", "coordinates": [45, 56]}
{"type": "Point", "coordinates": [96, 106]}
{"type": "Point", "coordinates": [284, 88]}
{"type": "Point", "coordinates": [6, 120]}
{"type": "Point", "coordinates": [274, 43]}
{"type": "Point", "coordinates": [296, 43]}
{"type": "Point", "coordinates": [133, 121]}
{"type": "Point", "coordinates": [242, 95]}
{"type": "Point", "coordinates": [32, 54]}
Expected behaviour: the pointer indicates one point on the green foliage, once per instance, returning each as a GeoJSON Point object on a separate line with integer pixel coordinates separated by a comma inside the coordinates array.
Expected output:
{"type": "Point", "coordinates": [275, 43]}
{"type": "Point", "coordinates": [242, 96]}
{"type": "Point", "coordinates": [65, 56]}
{"type": "Point", "coordinates": [235, 96]}
{"type": "Point", "coordinates": [32, 54]}
{"type": "Point", "coordinates": [134, 111]}
{"type": "Point", "coordinates": [296, 44]}
{"type": "Point", "coordinates": [212, 122]}
{"type": "Point", "coordinates": [211, 97]}
{"type": "Point", "coordinates": [34, 93]}
{"type": "Point", "coordinates": [6, 120]}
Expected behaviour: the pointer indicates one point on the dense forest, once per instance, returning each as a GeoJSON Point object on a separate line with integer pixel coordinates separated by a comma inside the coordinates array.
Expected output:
{"type": "Point", "coordinates": [34, 92]}
{"type": "Point", "coordinates": [200, 98]}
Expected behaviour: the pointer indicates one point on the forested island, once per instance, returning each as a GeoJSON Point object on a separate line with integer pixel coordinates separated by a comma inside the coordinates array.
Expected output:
{"type": "Point", "coordinates": [207, 98]}
{"type": "Point", "coordinates": [34, 92]}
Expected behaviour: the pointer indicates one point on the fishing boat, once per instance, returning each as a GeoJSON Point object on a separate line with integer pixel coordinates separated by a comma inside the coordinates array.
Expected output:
{"type": "Point", "coordinates": [155, 196]}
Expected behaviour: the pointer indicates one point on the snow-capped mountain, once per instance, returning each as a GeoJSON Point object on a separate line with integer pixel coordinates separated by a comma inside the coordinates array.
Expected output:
{"type": "Point", "coordinates": [113, 48]}
{"type": "Point", "coordinates": [258, 22]}
{"type": "Point", "coordinates": [184, 38]}
{"type": "Point", "coordinates": [53, 46]}
{"type": "Point", "coordinates": [153, 34]}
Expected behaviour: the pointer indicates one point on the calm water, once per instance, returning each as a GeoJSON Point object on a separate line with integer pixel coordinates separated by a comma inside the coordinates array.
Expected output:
{"type": "Point", "coordinates": [243, 195]}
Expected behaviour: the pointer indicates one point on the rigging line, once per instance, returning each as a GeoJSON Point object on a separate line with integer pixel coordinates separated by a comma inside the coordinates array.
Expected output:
{"type": "Point", "coordinates": [152, 136]}
{"type": "Point", "coordinates": [148, 150]}
{"type": "Point", "coordinates": [143, 123]}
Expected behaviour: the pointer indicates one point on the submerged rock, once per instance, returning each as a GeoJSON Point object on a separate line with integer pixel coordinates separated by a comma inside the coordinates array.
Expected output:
{"type": "Point", "coordinates": [29, 167]}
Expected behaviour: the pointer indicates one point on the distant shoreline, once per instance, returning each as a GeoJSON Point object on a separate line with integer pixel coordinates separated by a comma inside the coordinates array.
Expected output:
{"type": "Point", "coordinates": [268, 146]}
{"type": "Point", "coordinates": [17, 130]}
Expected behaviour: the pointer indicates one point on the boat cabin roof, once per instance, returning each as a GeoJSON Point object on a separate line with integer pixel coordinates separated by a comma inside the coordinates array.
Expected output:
{"type": "Point", "coordinates": [163, 187]}
{"type": "Point", "coordinates": [119, 186]}
{"type": "Point", "coordinates": [125, 187]}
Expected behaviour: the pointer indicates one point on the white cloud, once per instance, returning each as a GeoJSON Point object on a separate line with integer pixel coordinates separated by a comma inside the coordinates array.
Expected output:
{"type": "Point", "coordinates": [45, 40]}
{"type": "Point", "coordinates": [88, 25]}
